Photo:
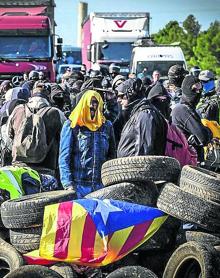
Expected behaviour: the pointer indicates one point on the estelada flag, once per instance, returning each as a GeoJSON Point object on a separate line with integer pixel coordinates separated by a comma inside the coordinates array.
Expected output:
{"type": "Point", "coordinates": [94, 232]}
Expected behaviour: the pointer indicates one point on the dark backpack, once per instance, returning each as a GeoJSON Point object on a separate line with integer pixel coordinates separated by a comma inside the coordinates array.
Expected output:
{"type": "Point", "coordinates": [177, 146]}
{"type": "Point", "coordinates": [30, 142]}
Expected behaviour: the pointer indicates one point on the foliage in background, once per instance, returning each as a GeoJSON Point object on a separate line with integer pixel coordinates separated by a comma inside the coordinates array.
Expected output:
{"type": "Point", "coordinates": [200, 48]}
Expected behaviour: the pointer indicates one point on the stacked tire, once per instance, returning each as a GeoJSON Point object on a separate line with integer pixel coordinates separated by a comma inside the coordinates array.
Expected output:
{"type": "Point", "coordinates": [24, 219]}
{"type": "Point", "coordinates": [134, 180]}
{"type": "Point", "coordinates": [195, 200]}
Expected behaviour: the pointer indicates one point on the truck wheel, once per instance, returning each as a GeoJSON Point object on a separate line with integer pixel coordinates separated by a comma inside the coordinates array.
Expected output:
{"type": "Point", "coordinates": [28, 210]}
{"type": "Point", "coordinates": [205, 238]}
{"type": "Point", "coordinates": [35, 271]}
{"type": "Point", "coordinates": [189, 208]}
{"type": "Point", "coordinates": [10, 259]}
{"type": "Point", "coordinates": [131, 272]}
{"type": "Point", "coordinates": [192, 260]}
{"type": "Point", "coordinates": [25, 240]}
{"type": "Point", "coordinates": [140, 168]}
{"type": "Point", "coordinates": [65, 270]}
{"type": "Point", "coordinates": [201, 182]}
{"type": "Point", "coordinates": [138, 193]}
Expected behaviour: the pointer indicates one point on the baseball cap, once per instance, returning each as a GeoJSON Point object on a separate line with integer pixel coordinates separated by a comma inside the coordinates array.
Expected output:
{"type": "Point", "coordinates": [206, 75]}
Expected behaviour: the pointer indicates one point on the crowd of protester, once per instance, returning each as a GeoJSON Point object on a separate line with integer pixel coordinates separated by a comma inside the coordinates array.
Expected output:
{"type": "Point", "coordinates": [68, 130]}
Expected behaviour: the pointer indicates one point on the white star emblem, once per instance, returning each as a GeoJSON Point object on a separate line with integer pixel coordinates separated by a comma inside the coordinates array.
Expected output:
{"type": "Point", "coordinates": [104, 207]}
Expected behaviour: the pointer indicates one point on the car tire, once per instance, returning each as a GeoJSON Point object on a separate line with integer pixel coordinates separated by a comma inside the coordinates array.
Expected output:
{"type": "Point", "coordinates": [201, 182]}
{"type": "Point", "coordinates": [25, 240]}
{"type": "Point", "coordinates": [189, 208]}
{"type": "Point", "coordinates": [10, 259]}
{"type": "Point", "coordinates": [131, 272]}
{"type": "Point", "coordinates": [28, 211]}
{"type": "Point", "coordinates": [145, 194]}
{"type": "Point", "coordinates": [192, 258]}
{"type": "Point", "coordinates": [203, 238]}
{"type": "Point", "coordinates": [35, 271]}
{"type": "Point", "coordinates": [65, 270]}
{"type": "Point", "coordinates": [140, 169]}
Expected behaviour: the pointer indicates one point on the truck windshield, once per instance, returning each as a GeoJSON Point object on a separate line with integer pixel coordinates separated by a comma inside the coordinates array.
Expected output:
{"type": "Point", "coordinates": [149, 66]}
{"type": "Point", "coordinates": [120, 51]}
{"type": "Point", "coordinates": [25, 47]}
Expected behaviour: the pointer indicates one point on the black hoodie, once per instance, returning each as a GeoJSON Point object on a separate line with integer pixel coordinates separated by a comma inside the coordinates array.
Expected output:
{"type": "Point", "coordinates": [144, 133]}
{"type": "Point", "coordinates": [159, 97]}
{"type": "Point", "coordinates": [185, 117]}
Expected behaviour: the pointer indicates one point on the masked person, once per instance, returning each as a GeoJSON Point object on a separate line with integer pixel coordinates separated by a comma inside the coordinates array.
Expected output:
{"type": "Point", "coordinates": [176, 74]}
{"type": "Point", "coordinates": [87, 141]}
{"type": "Point", "coordinates": [185, 117]}
{"type": "Point", "coordinates": [159, 97]}
{"type": "Point", "coordinates": [208, 107]}
{"type": "Point", "coordinates": [144, 132]}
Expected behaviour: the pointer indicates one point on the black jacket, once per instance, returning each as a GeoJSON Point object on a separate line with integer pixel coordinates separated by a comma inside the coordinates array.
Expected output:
{"type": "Point", "coordinates": [144, 133]}
{"type": "Point", "coordinates": [187, 119]}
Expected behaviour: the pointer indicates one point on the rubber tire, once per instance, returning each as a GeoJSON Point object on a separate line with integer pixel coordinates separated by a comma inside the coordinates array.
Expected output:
{"type": "Point", "coordinates": [33, 271]}
{"type": "Point", "coordinates": [131, 272]}
{"type": "Point", "coordinates": [201, 182]}
{"type": "Point", "coordinates": [25, 240]}
{"type": "Point", "coordinates": [140, 168]}
{"type": "Point", "coordinates": [65, 270]}
{"type": "Point", "coordinates": [205, 255]}
{"type": "Point", "coordinates": [143, 194]}
{"type": "Point", "coordinates": [203, 238]}
{"type": "Point", "coordinates": [190, 208]}
{"type": "Point", "coordinates": [10, 259]}
{"type": "Point", "coordinates": [28, 211]}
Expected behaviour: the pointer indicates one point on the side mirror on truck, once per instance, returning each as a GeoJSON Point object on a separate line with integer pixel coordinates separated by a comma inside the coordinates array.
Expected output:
{"type": "Point", "coordinates": [89, 53]}
{"type": "Point", "coordinates": [59, 40]}
{"type": "Point", "coordinates": [59, 51]}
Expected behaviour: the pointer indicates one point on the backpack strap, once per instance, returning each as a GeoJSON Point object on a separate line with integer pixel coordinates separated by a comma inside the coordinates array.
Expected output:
{"type": "Point", "coordinates": [174, 144]}
{"type": "Point", "coordinates": [43, 111]}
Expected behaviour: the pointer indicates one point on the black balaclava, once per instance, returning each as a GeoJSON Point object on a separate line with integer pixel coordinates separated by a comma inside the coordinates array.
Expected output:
{"type": "Point", "coordinates": [189, 95]}
{"type": "Point", "coordinates": [176, 75]}
{"type": "Point", "coordinates": [132, 88]}
{"type": "Point", "coordinates": [159, 97]}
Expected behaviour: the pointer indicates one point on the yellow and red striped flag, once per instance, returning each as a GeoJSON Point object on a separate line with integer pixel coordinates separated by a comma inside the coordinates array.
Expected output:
{"type": "Point", "coordinates": [94, 232]}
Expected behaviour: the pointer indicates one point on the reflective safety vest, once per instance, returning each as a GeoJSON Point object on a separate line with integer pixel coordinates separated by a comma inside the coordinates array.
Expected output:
{"type": "Point", "coordinates": [11, 179]}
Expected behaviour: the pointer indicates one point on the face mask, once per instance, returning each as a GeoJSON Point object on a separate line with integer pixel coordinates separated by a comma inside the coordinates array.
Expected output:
{"type": "Point", "coordinates": [208, 86]}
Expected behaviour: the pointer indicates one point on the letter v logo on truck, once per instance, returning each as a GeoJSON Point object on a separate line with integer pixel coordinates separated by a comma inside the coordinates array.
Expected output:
{"type": "Point", "coordinates": [120, 23]}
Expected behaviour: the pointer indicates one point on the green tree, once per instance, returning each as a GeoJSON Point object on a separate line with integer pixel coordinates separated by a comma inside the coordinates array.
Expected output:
{"type": "Point", "coordinates": [200, 48]}
{"type": "Point", "coordinates": [192, 26]}
{"type": "Point", "coordinates": [192, 29]}
{"type": "Point", "coordinates": [172, 32]}
{"type": "Point", "coordinates": [207, 49]}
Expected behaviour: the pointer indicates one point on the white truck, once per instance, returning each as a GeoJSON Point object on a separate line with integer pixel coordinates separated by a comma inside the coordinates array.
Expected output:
{"type": "Point", "coordinates": [155, 57]}
{"type": "Point", "coordinates": [108, 37]}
